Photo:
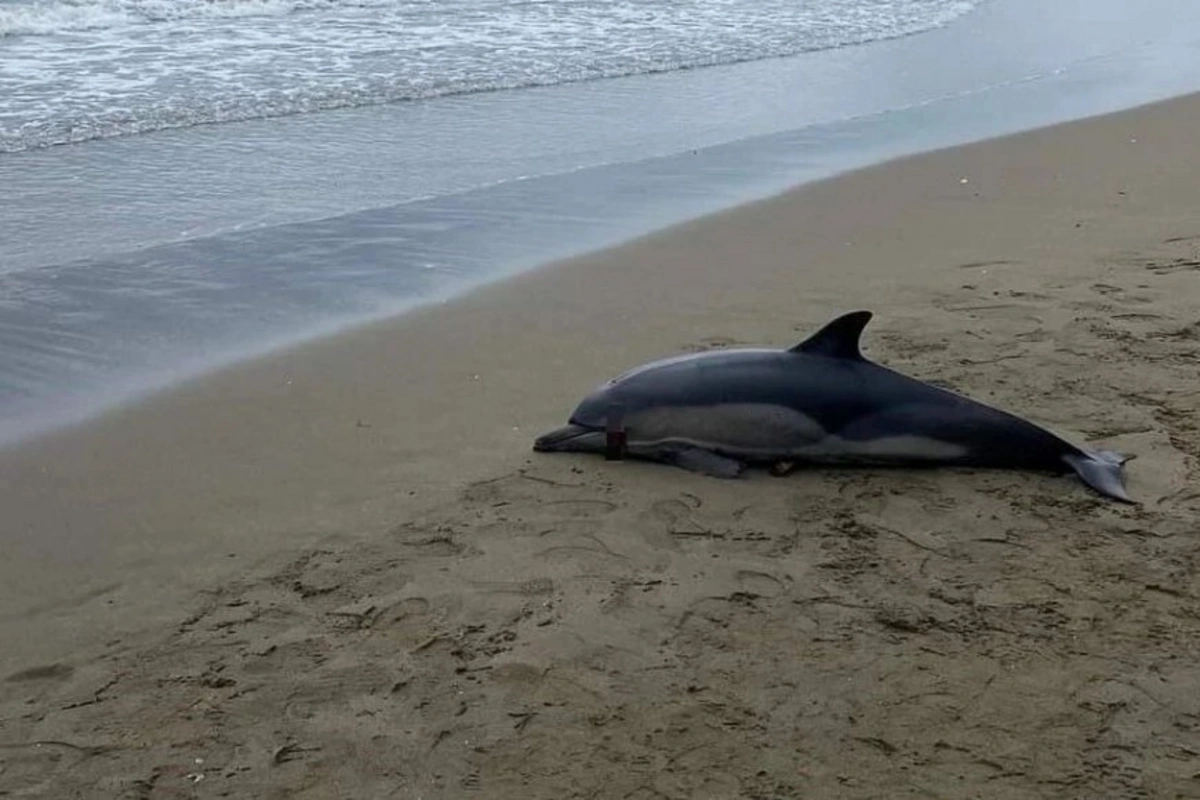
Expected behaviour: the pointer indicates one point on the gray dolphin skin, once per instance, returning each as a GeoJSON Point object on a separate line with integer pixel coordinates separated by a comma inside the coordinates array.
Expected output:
{"type": "Point", "coordinates": [820, 402]}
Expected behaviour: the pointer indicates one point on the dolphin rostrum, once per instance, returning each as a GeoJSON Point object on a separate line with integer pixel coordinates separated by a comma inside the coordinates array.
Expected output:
{"type": "Point", "coordinates": [819, 402]}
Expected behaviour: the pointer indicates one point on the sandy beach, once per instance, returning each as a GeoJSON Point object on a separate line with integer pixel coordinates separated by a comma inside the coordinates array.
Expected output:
{"type": "Point", "coordinates": [340, 571]}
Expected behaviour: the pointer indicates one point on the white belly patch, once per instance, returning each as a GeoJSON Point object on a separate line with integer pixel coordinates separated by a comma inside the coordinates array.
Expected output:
{"type": "Point", "coordinates": [765, 431]}
{"type": "Point", "coordinates": [748, 427]}
{"type": "Point", "coordinates": [887, 448]}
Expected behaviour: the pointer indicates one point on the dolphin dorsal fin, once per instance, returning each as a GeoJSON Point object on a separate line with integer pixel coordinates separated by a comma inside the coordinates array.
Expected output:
{"type": "Point", "coordinates": [838, 339]}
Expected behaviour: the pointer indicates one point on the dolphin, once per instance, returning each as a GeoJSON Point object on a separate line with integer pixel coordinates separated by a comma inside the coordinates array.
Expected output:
{"type": "Point", "coordinates": [819, 402]}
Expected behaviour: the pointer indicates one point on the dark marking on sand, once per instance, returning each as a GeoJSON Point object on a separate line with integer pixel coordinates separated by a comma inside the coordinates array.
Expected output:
{"type": "Point", "coordinates": [47, 672]}
{"type": "Point", "coordinates": [974, 264]}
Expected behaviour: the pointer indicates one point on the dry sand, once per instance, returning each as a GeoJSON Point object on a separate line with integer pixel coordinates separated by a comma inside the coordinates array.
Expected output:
{"type": "Point", "coordinates": [339, 572]}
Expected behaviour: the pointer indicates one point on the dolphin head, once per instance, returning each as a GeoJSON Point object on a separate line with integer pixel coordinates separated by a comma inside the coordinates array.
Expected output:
{"type": "Point", "coordinates": [587, 428]}
{"type": "Point", "coordinates": [572, 438]}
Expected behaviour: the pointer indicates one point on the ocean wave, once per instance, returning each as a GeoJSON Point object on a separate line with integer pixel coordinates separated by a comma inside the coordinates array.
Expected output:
{"type": "Point", "coordinates": [40, 17]}
{"type": "Point", "coordinates": [201, 70]}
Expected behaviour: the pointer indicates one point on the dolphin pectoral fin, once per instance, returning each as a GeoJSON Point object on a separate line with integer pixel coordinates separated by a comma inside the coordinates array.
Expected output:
{"type": "Point", "coordinates": [1101, 471]}
{"type": "Point", "coordinates": [703, 461]}
{"type": "Point", "coordinates": [783, 468]}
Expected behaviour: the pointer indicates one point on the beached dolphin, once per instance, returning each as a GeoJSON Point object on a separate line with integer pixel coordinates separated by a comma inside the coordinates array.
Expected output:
{"type": "Point", "coordinates": [818, 402]}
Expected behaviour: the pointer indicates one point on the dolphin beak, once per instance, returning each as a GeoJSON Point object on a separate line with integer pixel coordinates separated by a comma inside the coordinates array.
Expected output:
{"type": "Point", "coordinates": [564, 438]}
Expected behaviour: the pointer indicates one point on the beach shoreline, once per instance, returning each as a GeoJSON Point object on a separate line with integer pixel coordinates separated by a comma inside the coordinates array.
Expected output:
{"type": "Point", "coordinates": [345, 556]}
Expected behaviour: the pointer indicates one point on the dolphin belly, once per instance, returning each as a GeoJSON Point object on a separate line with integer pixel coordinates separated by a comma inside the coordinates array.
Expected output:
{"type": "Point", "coordinates": [750, 431]}
{"type": "Point", "coordinates": [899, 448]}
{"type": "Point", "coordinates": [769, 432]}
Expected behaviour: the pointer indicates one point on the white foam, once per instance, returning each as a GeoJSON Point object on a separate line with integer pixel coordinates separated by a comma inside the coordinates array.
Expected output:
{"type": "Point", "coordinates": [80, 69]}
{"type": "Point", "coordinates": [57, 16]}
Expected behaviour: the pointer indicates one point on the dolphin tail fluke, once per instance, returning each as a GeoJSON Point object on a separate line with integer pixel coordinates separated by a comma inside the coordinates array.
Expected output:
{"type": "Point", "coordinates": [1101, 470]}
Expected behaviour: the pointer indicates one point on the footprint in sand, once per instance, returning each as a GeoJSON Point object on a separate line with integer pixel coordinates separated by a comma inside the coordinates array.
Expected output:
{"type": "Point", "coordinates": [534, 587]}
{"type": "Point", "coordinates": [675, 510]}
{"type": "Point", "coordinates": [580, 508]}
{"type": "Point", "coordinates": [423, 542]}
{"type": "Point", "coordinates": [28, 770]}
{"type": "Point", "coordinates": [315, 692]}
{"type": "Point", "coordinates": [762, 584]}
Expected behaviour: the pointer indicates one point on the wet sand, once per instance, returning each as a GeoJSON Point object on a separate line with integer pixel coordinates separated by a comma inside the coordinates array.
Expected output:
{"type": "Point", "coordinates": [341, 572]}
